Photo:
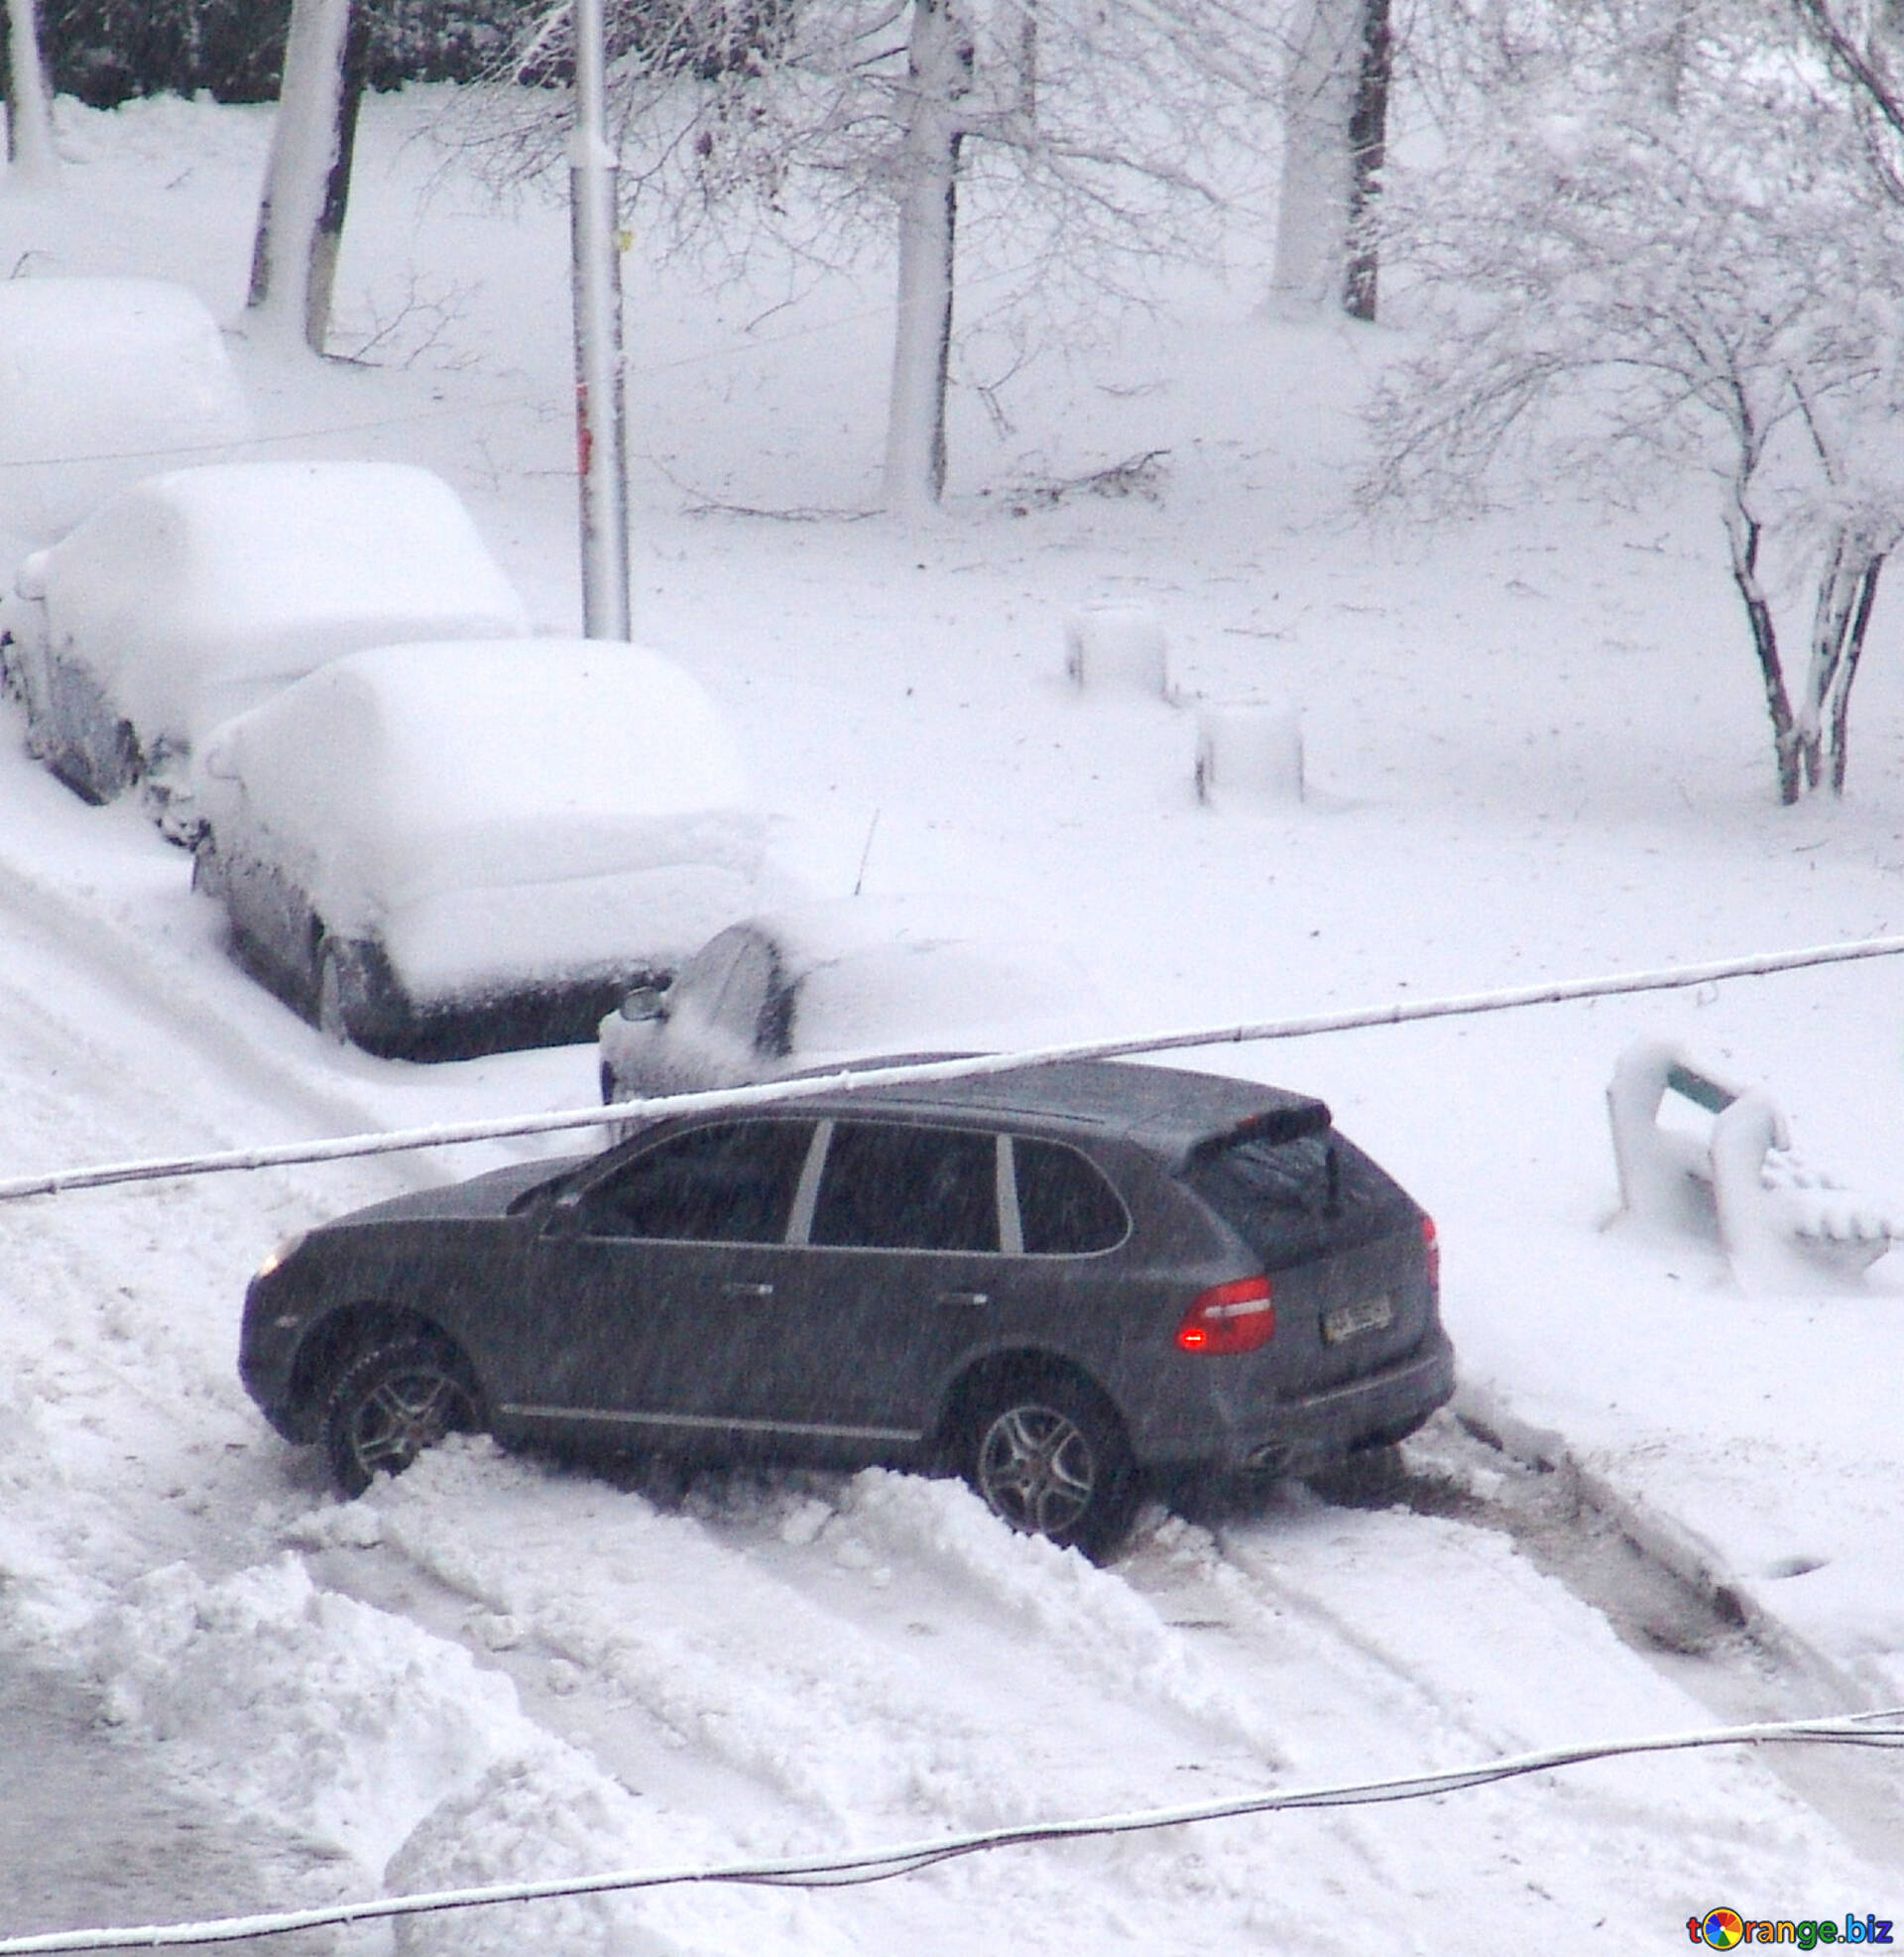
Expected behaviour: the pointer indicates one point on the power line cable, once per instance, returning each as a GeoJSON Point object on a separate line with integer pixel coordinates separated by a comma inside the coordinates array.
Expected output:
{"type": "Point", "coordinates": [854, 1079]}
{"type": "Point", "coordinates": [1880, 1729]}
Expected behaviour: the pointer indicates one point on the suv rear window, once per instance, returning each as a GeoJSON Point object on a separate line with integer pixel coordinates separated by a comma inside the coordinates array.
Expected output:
{"type": "Point", "coordinates": [1291, 1199]}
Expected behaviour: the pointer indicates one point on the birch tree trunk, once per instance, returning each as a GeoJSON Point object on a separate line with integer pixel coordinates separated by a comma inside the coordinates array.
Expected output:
{"type": "Point", "coordinates": [939, 71]}
{"type": "Point", "coordinates": [300, 213]}
{"type": "Point", "coordinates": [1318, 159]}
{"type": "Point", "coordinates": [30, 145]}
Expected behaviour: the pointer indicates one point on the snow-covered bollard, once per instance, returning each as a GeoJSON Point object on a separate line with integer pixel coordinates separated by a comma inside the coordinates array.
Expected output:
{"type": "Point", "coordinates": [1248, 750]}
{"type": "Point", "coordinates": [1109, 646]}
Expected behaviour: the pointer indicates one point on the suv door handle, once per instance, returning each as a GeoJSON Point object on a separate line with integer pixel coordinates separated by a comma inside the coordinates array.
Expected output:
{"type": "Point", "coordinates": [747, 1291]}
{"type": "Point", "coordinates": [965, 1298]}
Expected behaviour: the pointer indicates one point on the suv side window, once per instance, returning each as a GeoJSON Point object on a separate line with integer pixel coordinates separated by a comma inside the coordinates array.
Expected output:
{"type": "Point", "coordinates": [886, 1187]}
{"type": "Point", "coordinates": [1065, 1206]}
{"type": "Point", "coordinates": [731, 1183]}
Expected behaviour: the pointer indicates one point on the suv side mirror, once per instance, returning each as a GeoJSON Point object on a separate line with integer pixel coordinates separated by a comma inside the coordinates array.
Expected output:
{"type": "Point", "coordinates": [565, 1217]}
{"type": "Point", "coordinates": [30, 579]}
{"type": "Point", "coordinates": [644, 1002]}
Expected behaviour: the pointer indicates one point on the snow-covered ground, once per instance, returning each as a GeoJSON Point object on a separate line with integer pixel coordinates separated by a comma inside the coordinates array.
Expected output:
{"type": "Point", "coordinates": [1534, 749]}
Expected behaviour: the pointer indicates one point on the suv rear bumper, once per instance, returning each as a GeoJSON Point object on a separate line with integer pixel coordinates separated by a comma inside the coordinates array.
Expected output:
{"type": "Point", "coordinates": [1299, 1436]}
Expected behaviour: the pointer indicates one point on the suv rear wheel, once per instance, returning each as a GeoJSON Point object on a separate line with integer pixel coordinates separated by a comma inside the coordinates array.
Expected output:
{"type": "Point", "coordinates": [1049, 1457]}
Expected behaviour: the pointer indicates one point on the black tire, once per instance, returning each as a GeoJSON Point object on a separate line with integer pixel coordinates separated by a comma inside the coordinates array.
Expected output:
{"type": "Point", "coordinates": [1048, 1456]}
{"type": "Point", "coordinates": [390, 1404]}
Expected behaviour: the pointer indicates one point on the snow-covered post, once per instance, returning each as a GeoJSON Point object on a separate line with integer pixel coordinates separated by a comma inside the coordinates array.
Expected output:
{"type": "Point", "coordinates": [301, 212]}
{"type": "Point", "coordinates": [938, 73]}
{"type": "Point", "coordinates": [600, 442]}
{"type": "Point", "coordinates": [30, 145]}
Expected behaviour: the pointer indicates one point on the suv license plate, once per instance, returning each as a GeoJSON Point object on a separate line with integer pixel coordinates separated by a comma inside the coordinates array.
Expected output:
{"type": "Point", "coordinates": [1369, 1314]}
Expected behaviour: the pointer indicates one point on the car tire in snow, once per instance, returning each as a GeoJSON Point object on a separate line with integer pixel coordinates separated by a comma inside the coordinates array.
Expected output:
{"type": "Point", "coordinates": [390, 1403]}
{"type": "Point", "coordinates": [1048, 1456]}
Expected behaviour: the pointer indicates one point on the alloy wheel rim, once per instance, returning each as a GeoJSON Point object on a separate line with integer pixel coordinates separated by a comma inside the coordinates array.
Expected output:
{"type": "Point", "coordinates": [1036, 1470]}
{"type": "Point", "coordinates": [407, 1414]}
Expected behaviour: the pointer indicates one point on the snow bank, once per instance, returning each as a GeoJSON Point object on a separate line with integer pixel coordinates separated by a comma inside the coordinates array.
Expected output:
{"type": "Point", "coordinates": [333, 1720]}
{"type": "Point", "coordinates": [194, 595]}
{"type": "Point", "coordinates": [101, 382]}
{"type": "Point", "coordinates": [315, 1710]}
{"type": "Point", "coordinates": [495, 808]}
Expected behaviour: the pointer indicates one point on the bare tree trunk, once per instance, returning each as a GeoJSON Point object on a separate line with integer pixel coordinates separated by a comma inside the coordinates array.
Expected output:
{"type": "Point", "coordinates": [940, 73]}
{"type": "Point", "coordinates": [1742, 531]}
{"type": "Point", "coordinates": [295, 255]}
{"type": "Point", "coordinates": [327, 241]}
{"type": "Point", "coordinates": [30, 143]}
{"type": "Point", "coordinates": [1318, 169]}
{"type": "Point", "coordinates": [1368, 151]}
{"type": "Point", "coordinates": [1846, 591]}
{"type": "Point", "coordinates": [1854, 652]}
{"type": "Point", "coordinates": [1830, 619]}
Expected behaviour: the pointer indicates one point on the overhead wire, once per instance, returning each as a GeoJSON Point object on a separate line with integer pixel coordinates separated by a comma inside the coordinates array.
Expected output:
{"type": "Point", "coordinates": [1882, 1729]}
{"type": "Point", "coordinates": [858, 1079]}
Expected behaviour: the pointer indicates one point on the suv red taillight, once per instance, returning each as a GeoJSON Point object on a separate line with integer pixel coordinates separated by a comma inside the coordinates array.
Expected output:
{"type": "Point", "coordinates": [1234, 1317]}
{"type": "Point", "coordinates": [1431, 1238]}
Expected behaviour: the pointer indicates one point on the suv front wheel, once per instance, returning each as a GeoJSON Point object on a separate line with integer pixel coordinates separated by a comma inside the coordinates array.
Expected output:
{"type": "Point", "coordinates": [390, 1404]}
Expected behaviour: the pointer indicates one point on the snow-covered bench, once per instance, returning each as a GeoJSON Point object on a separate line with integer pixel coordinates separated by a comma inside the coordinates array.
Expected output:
{"type": "Point", "coordinates": [1778, 1218]}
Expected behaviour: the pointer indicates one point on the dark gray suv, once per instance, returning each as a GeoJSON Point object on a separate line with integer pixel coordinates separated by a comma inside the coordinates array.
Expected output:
{"type": "Point", "coordinates": [1055, 1280]}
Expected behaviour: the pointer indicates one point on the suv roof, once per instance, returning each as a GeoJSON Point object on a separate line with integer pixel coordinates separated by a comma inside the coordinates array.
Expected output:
{"type": "Point", "coordinates": [1170, 1111]}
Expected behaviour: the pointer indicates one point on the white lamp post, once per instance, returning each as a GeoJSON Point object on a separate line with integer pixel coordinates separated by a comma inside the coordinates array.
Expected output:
{"type": "Point", "coordinates": [600, 442]}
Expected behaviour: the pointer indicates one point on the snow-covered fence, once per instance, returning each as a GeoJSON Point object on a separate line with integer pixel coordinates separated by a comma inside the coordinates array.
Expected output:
{"type": "Point", "coordinates": [1782, 1223]}
{"type": "Point", "coordinates": [1109, 646]}
{"type": "Point", "coordinates": [1248, 750]}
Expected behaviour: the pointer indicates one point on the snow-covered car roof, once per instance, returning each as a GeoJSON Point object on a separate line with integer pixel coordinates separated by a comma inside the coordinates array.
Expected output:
{"type": "Point", "coordinates": [99, 378]}
{"type": "Point", "coordinates": [921, 967]}
{"type": "Point", "coordinates": [191, 594]}
{"type": "Point", "coordinates": [409, 769]}
{"type": "Point", "coordinates": [843, 979]}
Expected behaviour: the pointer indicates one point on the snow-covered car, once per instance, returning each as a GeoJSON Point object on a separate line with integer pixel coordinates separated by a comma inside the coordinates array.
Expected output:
{"type": "Point", "coordinates": [104, 381]}
{"type": "Point", "coordinates": [451, 847]}
{"type": "Point", "coordinates": [844, 980]}
{"type": "Point", "coordinates": [1054, 1279]}
{"type": "Point", "coordinates": [194, 595]}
